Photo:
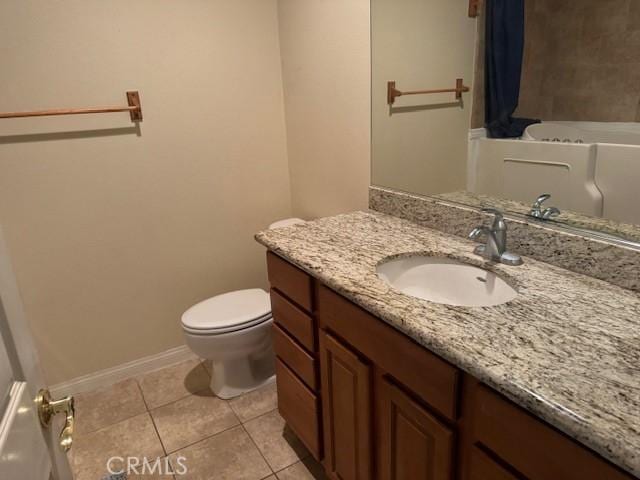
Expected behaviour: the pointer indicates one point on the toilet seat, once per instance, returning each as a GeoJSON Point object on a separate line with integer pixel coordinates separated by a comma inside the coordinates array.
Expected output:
{"type": "Point", "coordinates": [229, 312]}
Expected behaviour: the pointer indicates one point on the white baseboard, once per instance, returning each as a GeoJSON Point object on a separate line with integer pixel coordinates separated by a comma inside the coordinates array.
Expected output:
{"type": "Point", "coordinates": [127, 370]}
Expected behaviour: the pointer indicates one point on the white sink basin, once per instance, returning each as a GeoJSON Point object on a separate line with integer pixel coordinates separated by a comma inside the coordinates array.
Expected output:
{"type": "Point", "coordinates": [446, 281]}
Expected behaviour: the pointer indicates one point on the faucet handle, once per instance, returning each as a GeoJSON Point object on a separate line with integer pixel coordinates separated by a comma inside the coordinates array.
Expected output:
{"type": "Point", "coordinates": [476, 232]}
{"type": "Point", "coordinates": [541, 199]}
{"type": "Point", "coordinates": [550, 213]}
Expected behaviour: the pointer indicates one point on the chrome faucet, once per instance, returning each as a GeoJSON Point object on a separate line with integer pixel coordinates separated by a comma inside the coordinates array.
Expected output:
{"type": "Point", "coordinates": [546, 214]}
{"type": "Point", "coordinates": [495, 248]}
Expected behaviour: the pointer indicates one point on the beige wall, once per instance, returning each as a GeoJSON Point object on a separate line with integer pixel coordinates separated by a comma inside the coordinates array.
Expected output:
{"type": "Point", "coordinates": [420, 145]}
{"type": "Point", "coordinates": [581, 61]}
{"type": "Point", "coordinates": [326, 71]}
{"type": "Point", "coordinates": [114, 235]}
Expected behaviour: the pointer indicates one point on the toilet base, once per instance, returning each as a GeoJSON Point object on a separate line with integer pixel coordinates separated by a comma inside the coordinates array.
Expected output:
{"type": "Point", "coordinates": [227, 392]}
{"type": "Point", "coordinates": [234, 377]}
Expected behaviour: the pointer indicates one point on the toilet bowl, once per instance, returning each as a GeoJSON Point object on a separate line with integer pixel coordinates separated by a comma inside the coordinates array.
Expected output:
{"type": "Point", "coordinates": [233, 331]}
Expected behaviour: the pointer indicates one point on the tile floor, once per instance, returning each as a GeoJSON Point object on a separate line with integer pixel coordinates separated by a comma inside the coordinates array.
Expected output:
{"type": "Point", "coordinates": [171, 413]}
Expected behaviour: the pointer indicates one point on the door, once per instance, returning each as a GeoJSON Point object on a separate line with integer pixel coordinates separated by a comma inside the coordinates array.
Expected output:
{"type": "Point", "coordinates": [27, 451]}
{"type": "Point", "coordinates": [346, 411]}
{"type": "Point", "coordinates": [412, 444]}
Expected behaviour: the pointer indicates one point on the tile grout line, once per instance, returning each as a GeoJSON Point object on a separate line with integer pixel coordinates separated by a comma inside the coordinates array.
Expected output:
{"type": "Point", "coordinates": [144, 401]}
{"type": "Point", "coordinates": [208, 437]}
{"type": "Point", "coordinates": [259, 451]}
{"type": "Point", "coordinates": [259, 416]}
{"type": "Point", "coordinates": [190, 394]}
{"type": "Point", "coordinates": [84, 434]}
{"type": "Point", "coordinates": [153, 422]}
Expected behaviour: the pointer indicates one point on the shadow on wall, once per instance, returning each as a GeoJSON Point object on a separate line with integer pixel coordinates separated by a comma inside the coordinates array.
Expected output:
{"type": "Point", "coordinates": [73, 135]}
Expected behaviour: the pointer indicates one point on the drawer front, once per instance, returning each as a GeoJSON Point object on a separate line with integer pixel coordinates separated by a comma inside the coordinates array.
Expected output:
{"type": "Point", "coordinates": [484, 468]}
{"type": "Point", "coordinates": [430, 377]}
{"type": "Point", "coordinates": [295, 357]}
{"type": "Point", "coordinates": [299, 407]}
{"type": "Point", "coordinates": [294, 320]}
{"type": "Point", "coordinates": [542, 452]}
{"type": "Point", "coordinates": [291, 281]}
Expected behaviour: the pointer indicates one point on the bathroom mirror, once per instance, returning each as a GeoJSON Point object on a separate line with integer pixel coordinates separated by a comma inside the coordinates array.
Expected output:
{"type": "Point", "coordinates": [553, 107]}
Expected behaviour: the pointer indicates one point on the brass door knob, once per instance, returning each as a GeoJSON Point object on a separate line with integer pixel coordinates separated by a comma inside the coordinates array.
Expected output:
{"type": "Point", "coordinates": [48, 408]}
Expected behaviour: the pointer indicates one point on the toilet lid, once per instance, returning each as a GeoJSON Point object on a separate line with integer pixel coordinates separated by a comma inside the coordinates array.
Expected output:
{"type": "Point", "coordinates": [229, 311]}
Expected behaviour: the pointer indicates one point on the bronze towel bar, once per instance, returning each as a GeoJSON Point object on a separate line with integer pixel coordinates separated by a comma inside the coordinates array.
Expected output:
{"type": "Point", "coordinates": [393, 92]}
{"type": "Point", "coordinates": [134, 108]}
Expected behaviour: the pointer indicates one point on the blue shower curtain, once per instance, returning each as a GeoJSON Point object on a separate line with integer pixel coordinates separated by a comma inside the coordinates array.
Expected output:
{"type": "Point", "coordinates": [503, 67]}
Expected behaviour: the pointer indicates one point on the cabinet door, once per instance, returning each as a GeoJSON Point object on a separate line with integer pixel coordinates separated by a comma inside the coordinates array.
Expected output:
{"type": "Point", "coordinates": [346, 411]}
{"type": "Point", "coordinates": [413, 444]}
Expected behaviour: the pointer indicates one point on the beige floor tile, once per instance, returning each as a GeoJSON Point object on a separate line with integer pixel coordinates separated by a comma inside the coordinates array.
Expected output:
{"type": "Point", "coordinates": [277, 443]}
{"type": "Point", "coordinates": [308, 469]}
{"type": "Point", "coordinates": [192, 419]}
{"type": "Point", "coordinates": [256, 403]}
{"type": "Point", "coordinates": [134, 437]}
{"type": "Point", "coordinates": [173, 383]}
{"type": "Point", "coordinates": [108, 405]}
{"type": "Point", "coordinates": [230, 455]}
{"type": "Point", "coordinates": [162, 472]}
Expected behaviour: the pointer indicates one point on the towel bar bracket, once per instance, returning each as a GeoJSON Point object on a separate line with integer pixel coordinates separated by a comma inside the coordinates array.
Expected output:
{"type": "Point", "coordinates": [133, 98]}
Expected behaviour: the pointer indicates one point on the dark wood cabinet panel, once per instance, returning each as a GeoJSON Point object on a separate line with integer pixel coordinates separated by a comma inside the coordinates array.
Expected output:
{"type": "Point", "coordinates": [346, 411]}
{"type": "Point", "coordinates": [295, 357]}
{"type": "Point", "coordinates": [482, 467]}
{"type": "Point", "coordinates": [430, 377]}
{"type": "Point", "coordinates": [412, 443]}
{"type": "Point", "coordinates": [291, 281]}
{"type": "Point", "coordinates": [533, 448]}
{"type": "Point", "coordinates": [294, 320]}
{"type": "Point", "coordinates": [300, 408]}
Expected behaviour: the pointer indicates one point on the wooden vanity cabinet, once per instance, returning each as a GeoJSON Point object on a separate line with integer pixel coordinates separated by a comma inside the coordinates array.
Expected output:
{"type": "Point", "coordinates": [412, 442]}
{"type": "Point", "coordinates": [346, 411]}
{"type": "Point", "coordinates": [371, 403]}
{"type": "Point", "coordinates": [295, 342]}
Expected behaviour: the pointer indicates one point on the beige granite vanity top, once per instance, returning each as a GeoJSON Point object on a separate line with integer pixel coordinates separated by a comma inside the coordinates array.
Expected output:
{"type": "Point", "coordinates": [567, 348]}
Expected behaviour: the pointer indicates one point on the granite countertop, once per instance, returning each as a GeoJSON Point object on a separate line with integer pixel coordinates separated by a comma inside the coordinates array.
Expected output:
{"type": "Point", "coordinates": [567, 348]}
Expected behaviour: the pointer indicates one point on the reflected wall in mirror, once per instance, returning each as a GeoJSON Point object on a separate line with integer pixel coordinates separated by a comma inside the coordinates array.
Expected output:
{"type": "Point", "coordinates": [574, 70]}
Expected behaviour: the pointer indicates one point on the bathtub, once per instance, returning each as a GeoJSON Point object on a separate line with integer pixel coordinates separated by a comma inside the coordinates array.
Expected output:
{"type": "Point", "coordinates": [588, 167]}
{"type": "Point", "coordinates": [584, 132]}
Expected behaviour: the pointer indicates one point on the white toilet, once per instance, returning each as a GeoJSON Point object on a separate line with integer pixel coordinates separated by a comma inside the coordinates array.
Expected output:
{"type": "Point", "coordinates": [233, 330]}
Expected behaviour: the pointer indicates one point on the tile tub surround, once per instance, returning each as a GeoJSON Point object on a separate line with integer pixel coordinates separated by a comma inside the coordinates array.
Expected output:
{"type": "Point", "coordinates": [567, 348]}
{"type": "Point", "coordinates": [605, 261]}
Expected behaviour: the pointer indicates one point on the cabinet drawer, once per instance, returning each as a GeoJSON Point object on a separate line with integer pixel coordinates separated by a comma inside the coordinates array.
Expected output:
{"type": "Point", "coordinates": [299, 407]}
{"type": "Point", "coordinates": [295, 357]}
{"type": "Point", "coordinates": [532, 447]}
{"type": "Point", "coordinates": [431, 378]}
{"type": "Point", "coordinates": [294, 320]}
{"type": "Point", "coordinates": [290, 280]}
{"type": "Point", "coordinates": [484, 468]}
